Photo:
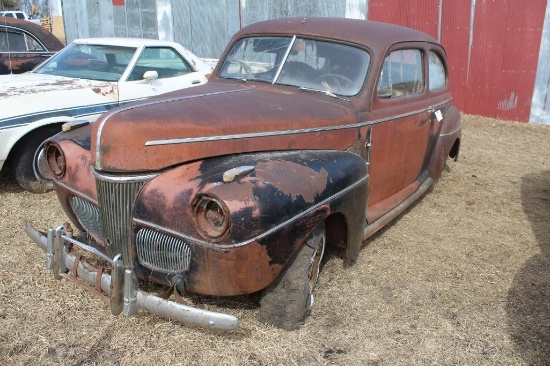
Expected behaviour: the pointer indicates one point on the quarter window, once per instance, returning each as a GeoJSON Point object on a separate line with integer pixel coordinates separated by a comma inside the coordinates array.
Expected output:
{"type": "Point", "coordinates": [401, 74]}
{"type": "Point", "coordinates": [15, 41]}
{"type": "Point", "coordinates": [437, 71]}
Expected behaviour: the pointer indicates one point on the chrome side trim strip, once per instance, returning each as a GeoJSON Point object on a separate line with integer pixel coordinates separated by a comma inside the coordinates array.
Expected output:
{"type": "Point", "coordinates": [245, 135]}
{"type": "Point", "coordinates": [450, 133]}
{"type": "Point", "coordinates": [262, 235]}
{"type": "Point", "coordinates": [283, 132]}
{"type": "Point", "coordinates": [77, 193]}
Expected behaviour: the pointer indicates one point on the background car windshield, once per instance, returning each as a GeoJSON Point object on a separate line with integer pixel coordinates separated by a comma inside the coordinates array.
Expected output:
{"type": "Point", "coordinates": [300, 62]}
{"type": "Point", "coordinates": [94, 62]}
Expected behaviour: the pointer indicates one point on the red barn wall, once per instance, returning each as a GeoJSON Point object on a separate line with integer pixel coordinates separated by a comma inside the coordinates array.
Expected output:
{"type": "Point", "coordinates": [492, 57]}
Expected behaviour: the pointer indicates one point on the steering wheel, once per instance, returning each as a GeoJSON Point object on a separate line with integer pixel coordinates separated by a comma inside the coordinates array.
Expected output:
{"type": "Point", "coordinates": [247, 70]}
{"type": "Point", "coordinates": [98, 65]}
{"type": "Point", "coordinates": [334, 82]}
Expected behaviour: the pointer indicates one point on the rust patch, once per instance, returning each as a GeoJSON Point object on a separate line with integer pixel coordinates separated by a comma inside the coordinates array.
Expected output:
{"type": "Point", "coordinates": [107, 90]}
{"type": "Point", "coordinates": [285, 174]}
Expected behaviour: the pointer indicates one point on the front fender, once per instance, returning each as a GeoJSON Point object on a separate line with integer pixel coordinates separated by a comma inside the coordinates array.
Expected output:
{"type": "Point", "coordinates": [272, 209]}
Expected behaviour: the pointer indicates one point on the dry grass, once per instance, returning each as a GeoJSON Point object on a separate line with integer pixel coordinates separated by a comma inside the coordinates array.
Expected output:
{"type": "Point", "coordinates": [463, 277]}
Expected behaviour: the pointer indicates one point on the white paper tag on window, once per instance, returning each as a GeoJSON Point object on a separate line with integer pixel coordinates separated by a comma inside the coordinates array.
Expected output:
{"type": "Point", "coordinates": [438, 115]}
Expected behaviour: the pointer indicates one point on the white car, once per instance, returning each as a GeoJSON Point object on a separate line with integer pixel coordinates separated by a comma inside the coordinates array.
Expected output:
{"type": "Point", "coordinates": [19, 15]}
{"type": "Point", "coordinates": [85, 79]}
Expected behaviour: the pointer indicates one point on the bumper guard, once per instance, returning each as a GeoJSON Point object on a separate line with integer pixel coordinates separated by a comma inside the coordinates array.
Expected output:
{"type": "Point", "coordinates": [121, 289]}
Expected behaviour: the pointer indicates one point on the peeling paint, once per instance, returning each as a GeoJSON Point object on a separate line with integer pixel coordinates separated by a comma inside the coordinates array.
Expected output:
{"type": "Point", "coordinates": [510, 103]}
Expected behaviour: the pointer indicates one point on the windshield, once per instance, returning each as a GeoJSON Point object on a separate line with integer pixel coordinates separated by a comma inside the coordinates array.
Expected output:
{"type": "Point", "coordinates": [84, 61]}
{"type": "Point", "coordinates": [305, 63]}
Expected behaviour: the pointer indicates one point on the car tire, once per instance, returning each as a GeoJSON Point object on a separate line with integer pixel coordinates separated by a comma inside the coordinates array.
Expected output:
{"type": "Point", "coordinates": [287, 302]}
{"type": "Point", "coordinates": [25, 164]}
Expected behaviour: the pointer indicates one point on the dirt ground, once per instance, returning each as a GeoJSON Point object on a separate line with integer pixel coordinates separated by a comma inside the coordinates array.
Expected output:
{"type": "Point", "coordinates": [462, 277]}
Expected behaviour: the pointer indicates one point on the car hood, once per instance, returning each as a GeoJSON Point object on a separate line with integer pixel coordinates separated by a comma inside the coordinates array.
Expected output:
{"type": "Point", "coordinates": [32, 83]}
{"type": "Point", "coordinates": [35, 96]}
{"type": "Point", "coordinates": [219, 118]}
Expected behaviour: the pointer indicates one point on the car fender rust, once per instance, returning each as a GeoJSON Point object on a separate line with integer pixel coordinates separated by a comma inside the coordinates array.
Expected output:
{"type": "Point", "coordinates": [279, 202]}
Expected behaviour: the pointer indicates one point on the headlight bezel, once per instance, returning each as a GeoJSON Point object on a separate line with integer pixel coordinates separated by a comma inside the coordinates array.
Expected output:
{"type": "Point", "coordinates": [212, 217]}
{"type": "Point", "coordinates": [55, 160]}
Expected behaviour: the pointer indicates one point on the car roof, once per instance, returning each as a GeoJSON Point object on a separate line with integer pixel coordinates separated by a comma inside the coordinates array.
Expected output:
{"type": "Point", "coordinates": [120, 41]}
{"type": "Point", "coordinates": [375, 35]}
{"type": "Point", "coordinates": [47, 38]}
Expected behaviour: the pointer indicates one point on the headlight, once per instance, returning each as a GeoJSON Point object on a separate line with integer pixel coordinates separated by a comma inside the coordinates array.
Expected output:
{"type": "Point", "coordinates": [212, 218]}
{"type": "Point", "coordinates": [55, 160]}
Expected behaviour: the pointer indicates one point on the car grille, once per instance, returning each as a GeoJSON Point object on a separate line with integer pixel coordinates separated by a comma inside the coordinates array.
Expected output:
{"type": "Point", "coordinates": [88, 215]}
{"type": "Point", "coordinates": [159, 251]}
{"type": "Point", "coordinates": [116, 201]}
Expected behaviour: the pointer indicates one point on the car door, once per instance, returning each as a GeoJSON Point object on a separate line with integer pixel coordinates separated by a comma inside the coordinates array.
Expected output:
{"type": "Point", "coordinates": [166, 69]}
{"type": "Point", "coordinates": [19, 51]}
{"type": "Point", "coordinates": [402, 129]}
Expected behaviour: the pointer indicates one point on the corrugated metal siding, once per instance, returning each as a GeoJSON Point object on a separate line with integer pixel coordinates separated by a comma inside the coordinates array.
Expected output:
{"type": "Point", "coordinates": [540, 108]}
{"type": "Point", "coordinates": [495, 65]}
{"type": "Point", "coordinates": [256, 10]}
{"type": "Point", "coordinates": [422, 15]}
{"type": "Point", "coordinates": [490, 45]}
{"type": "Point", "coordinates": [455, 35]}
{"type": "Point", "coordinates": [504, 58]}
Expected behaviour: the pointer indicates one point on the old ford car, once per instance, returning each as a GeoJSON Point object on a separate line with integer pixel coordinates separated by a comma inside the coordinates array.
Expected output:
{"type": "Point", "coordinates": [312, 133]}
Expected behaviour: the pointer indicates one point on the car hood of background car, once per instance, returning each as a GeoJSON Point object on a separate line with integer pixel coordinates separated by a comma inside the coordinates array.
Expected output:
{"type": "Point", "coordinates": [34, 94]}
{"type": "Point", "coordinates": [219, 118]}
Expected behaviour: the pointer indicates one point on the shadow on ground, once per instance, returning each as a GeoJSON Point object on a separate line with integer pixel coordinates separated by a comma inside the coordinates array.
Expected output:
{"type": "Point", "coordinates": [7, 181]}
{"type": "Point", "coordinates": [528, 305]}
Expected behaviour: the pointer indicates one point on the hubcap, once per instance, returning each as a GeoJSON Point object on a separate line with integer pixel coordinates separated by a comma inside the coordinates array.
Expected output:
{"type": "Point", "coordinates": [316, 266]}
{"type": "Point", "coordinates": [40, 166]}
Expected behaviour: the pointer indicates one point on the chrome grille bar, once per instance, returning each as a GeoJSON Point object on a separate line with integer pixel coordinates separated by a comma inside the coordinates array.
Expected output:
{"type": "Point", "coordinates": [159, 251]}
{"type": "Point", "coordinates": [88, 215]}
{"type": "Point", "coordinates": [116, 197]}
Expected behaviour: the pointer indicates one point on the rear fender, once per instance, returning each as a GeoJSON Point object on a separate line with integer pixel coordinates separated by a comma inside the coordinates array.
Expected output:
{"type": "Point", "coordinates": [448, 140]}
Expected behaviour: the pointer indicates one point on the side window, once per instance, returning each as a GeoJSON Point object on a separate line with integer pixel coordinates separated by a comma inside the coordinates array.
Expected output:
{"type": "Point", "coordinates": [13, 42]}
{"type": "Point", "coordinates": [436, 71]}
{"type": "Point", "coordinates": [33, 44]}
{"type": "Point", "coordinates": [165, 61]}
{"type": "Point", "coordinates": [20, 16]}
{"type": "Point", "coordinates": [401, 74]}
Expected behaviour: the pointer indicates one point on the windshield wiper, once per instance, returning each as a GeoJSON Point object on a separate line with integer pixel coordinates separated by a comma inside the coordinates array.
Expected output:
{"type": "Point", "coordinates": [325, 92]}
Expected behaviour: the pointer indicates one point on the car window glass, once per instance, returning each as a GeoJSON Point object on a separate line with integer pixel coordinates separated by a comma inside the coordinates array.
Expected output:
{"type": "Point", "coordinates": [401, 74]}
{"type": "Point", "coordinates": [436, 71]}
{"type": "Point", "coordinates": [84, 61]}
{"type": "Point", "coordinates": [305, 63]}
{"type": "Point", "coordinates": [12, 41]}
{"type": "Point", "coordinates": [33, 44]}
{"type": "Point", "coordinates": [165, 61]}
{"type": "Point", "coordinates": [255, 58]}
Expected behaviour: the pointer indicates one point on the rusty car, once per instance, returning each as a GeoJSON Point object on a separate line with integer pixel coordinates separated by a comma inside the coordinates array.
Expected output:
{"type": "Point", "coordinates": [85, 79]}
{"type": "Point", "coordinates": [23, 44]}
{"type": "Point", "coordinates": [312, 133]}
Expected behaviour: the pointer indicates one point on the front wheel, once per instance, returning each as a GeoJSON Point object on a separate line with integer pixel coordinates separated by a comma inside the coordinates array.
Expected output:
{"type": "Point", "coordinates": [29, 163]}
{"type": "Point", "coordinates": [287, 302]}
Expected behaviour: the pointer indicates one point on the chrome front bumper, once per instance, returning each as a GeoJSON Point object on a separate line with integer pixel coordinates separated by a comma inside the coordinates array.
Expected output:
{"type": "Point", "coordinates": [120, 289]}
